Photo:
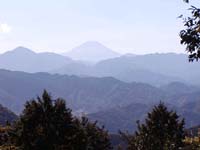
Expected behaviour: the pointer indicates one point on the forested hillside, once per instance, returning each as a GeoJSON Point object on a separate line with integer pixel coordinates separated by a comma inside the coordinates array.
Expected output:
{"type": "Point", "coordinates": [107, 100]}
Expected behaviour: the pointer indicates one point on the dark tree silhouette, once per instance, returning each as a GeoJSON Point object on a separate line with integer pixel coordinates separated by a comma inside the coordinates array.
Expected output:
{"type": "Point", "coordinates": [190, 36]}
{"type": "Point", "coordinates": [48, 125]}
{"type": "Point", "coordinates": [98, 138]}
{"type": "Point", "coordinates": [162, 130]}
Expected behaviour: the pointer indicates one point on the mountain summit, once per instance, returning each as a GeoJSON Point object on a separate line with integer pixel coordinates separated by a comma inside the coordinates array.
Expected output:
{"type": "Point", "coordinates": [24, 59]}
{"type": "Point", "coordinates": [91, 51]}
{"type": "Point", "coordinates": [19, 51]}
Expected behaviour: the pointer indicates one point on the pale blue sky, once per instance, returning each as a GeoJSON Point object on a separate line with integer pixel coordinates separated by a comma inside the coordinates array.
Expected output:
{"type": "Point", "coordinates": [134, 26]}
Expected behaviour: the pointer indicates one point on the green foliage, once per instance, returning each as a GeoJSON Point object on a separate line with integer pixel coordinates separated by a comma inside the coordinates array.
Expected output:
{"type": "Point", "coordinates": [48, 125]}
{"type": "Point", "coordinates": [98, 138]}
{"type": "Point", "coordinates": [190, 36]}
{"type": "Point", "coordinates": [162, 130]}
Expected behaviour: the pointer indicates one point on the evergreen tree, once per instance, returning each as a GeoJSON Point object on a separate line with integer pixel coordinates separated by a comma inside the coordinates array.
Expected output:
{"type": "Point", "coordinates": [44, 124]}
{"type": "Point", "coordinates": [48, 125]}
{"type": "Point", "coordinates": [162, 130]}
{"type": "Point", "coordinates": [98, 137]}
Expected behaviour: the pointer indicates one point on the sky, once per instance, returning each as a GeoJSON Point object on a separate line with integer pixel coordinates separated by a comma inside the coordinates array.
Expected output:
{"type": "Point", "coordinates": [126, 26]}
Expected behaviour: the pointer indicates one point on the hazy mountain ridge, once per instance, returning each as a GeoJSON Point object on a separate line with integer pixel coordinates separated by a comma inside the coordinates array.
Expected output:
{"type": "Point", "coordinates": [96, 92]}
{"type": "Point", "coordinates": [169, 64]}
{"type": "Point", "coordinates": [125, 118]}
{"type": "Point", "coordinates": [87, 94]}
{"type": "Point", "coordinates": [24, 59]}
{"type": "Point", "coordinates": [154, 69]}
{"type": "Point", "coordinates": [107, 100]}
{"type": "Point", "coordinates": [91, 51]}
{"type": "Point", "coordinates": [176, 88]}
{"type": "Point", "coordinates": [184, 99]}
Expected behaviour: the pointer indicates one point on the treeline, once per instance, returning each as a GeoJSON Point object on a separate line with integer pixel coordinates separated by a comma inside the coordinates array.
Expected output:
{"type": "Point", "coordinates": [47, 124]}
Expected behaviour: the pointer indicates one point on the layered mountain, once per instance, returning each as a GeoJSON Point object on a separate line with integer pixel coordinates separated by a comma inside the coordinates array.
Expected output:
{"type": "Point", "coordinates": [91, 51]}
{"type": "Point", "coordinates": [125, 118]}
{"type": "Point", "coordinates": [86, 94]}
{"type": "Point", "coordinates": [182, 98]}
{"type": "Point", "coordinates": [178, 88]}
{"type": "Point", "coordinates": [24, 59]}
{"type": "Point", "coordinates": [155, 69]}
{"type": "Point", "coordinates": [171, 65]}
{"type": "Point", "coordinates": [116, 104]}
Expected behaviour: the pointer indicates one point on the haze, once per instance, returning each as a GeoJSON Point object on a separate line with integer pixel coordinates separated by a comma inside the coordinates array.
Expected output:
{"type": "Point", "coordinates": [128, 26]}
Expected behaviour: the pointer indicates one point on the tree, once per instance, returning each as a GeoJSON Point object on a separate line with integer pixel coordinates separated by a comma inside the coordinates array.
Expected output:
{"type": "Point", "coordinates": [190, 36]}
{"type": "Point", "coordinates": [98, 138]}
{"type": "Point", "coordinates": [48, 125]}
{"type": "Point", "coordinates": [44, 124]}
{"type": "Point", "coordinates": [162, 130]}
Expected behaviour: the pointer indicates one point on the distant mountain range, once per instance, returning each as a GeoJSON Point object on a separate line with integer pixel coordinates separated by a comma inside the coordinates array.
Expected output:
{"type": "Point", "coordinates": [154, 69]}
{"type": "Point", "coordinates": [86, 94]}
{"type": "Point", "coordinates": [24, 59]}
{"type": "Point", "coordinates": [180, 97]}
{"type": "Point", "coordinates": [114, 103]}
{"type": "Point", "coordinates": [117, 90]}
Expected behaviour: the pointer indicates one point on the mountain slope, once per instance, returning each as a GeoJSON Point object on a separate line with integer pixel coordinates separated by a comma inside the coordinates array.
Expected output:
{"type": "Point", "coordinates": [155, 69]}
{"type": "Point", "coordinates": [82, 94]}
{"type": "Point", "coordinates": [121, 118]}
{"type": "Point", "coordinates": [125, 118]}
{"type": "Point", "coordinates": [182, 98]}
{"type": "Point", "coordinates": [23, 59]}
{"type": "Point", "coordinates": [169, 64]}
{"type": "Point", "coordinates": [114, 103]}
{"type": "Point", "coordinates": [6, 115]}
{"type": "Point", "coordinates": [91, 51]}
{"type": "Point", "coordinates": [178, 88]}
